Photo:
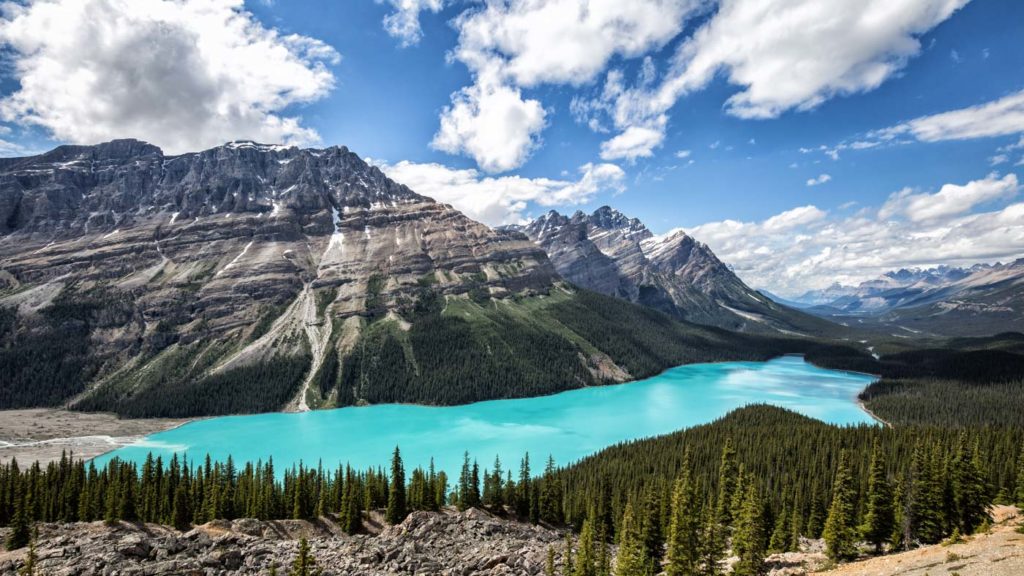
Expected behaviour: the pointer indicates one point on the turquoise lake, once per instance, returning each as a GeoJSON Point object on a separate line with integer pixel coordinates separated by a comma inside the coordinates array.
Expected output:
{"type": "Point", "coordinates": [568, 426]}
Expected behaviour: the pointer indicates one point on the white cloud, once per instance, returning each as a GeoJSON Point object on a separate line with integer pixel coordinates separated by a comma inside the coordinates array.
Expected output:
{"type": "Point", "coordinates": [950, 200]}
{"type": "Point", "coordinates": [502, 199]}
{"type": "Point", "coordinates": [683, 154]}
{"type": "Point", "coordinates": [184, 75]}
{"type": "Point", "coordinates": [789, 54]}
{"type": "Point", "coordinates": [1000, 117]}
{"type": "Point", "coordinates": [819, 180]}
{"type": "Point", "coordinates": [792, 218]}
{"type": "Point", "coordinates": [404, 22]}
{"type": "Point", "coordinates": [491, 123]}
{"type": "Point", "coordinates": [635, 142]}
{"type": "Point", "coordinates": [806, 248]}
{"type": "Point", "coordinates": [510, 46]}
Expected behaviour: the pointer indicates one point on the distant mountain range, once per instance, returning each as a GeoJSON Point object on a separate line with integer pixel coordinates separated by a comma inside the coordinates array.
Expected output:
{"type": "Point", "coordinates": [980, 300]}
{"type": "Point", "coordinates": [611, 253]}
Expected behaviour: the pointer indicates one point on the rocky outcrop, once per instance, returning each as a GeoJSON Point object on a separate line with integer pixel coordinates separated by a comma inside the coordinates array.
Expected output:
{"type": "Point", "coordinates": [447, 543]}
{"type": "Point", "coordinates": [611, 253]}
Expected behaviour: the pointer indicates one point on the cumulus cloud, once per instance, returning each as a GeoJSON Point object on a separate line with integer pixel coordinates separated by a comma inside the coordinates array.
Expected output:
{"type": "Point", "coordinates": [510, 46]}
{"type": "Point", "coordinates": [184, 74]}
{"type": "Point", "coordinates": [806, 248]}
{"type": "Point", "coordinates": [950, 200]}
{"type": "Point", "coordinates": [819, 180]}
{"type": "Point", "coordinates": [496, 200]}
{"type": "Point", "coordinates": [404, 22]}
{"type": "Point", "coordinates": [789, 54]}
{"type": "Point", "coordinates": [491, 123]}
{"type": "Point", "coordinates": [1000, 117]}
{"type": "Point", "coordinates": [634, 142]}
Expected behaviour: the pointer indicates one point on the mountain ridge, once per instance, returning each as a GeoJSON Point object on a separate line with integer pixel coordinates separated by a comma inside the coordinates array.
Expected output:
{"type": "Point", "coordinates": [613, 254]}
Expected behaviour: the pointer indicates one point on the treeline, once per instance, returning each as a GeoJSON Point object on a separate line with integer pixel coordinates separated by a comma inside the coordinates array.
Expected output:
{"type": "Point", "coordinates": [752, 482]}
{"type": "Point", "coordinates": [947, 402]}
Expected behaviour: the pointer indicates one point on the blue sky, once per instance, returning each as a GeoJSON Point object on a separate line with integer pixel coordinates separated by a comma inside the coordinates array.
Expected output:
{"type": "Point", "coordinates": [735, 131]}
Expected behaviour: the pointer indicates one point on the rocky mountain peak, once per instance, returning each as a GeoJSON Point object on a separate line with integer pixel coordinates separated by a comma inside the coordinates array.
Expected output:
{"type": "Point", "coordinates": [76, 189]}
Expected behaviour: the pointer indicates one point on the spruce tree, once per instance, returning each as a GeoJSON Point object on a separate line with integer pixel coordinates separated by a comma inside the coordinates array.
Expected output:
{"type": "Point", "coordinates": [728, 477]}
{"type": "Point", "coordinates": [683, 526]}
{"type": "Point", "coordinates": [839, 530]}
{"type": "Point", "coordinates": [396, 510]}
{"type": "Point", "coordinates": [551, 495]}
{"type": "Point", "coordinates": [20, 533]}
{"type": "Point", "coordinates": [712, 543]}
{"type": "Point", "coordinates": [29, 568]}
{"type": "Point", "coordinates": [749, 536]}
{"type": "Point", "coordinates": [879, 519]}
{"type": "Point", "coordinates": [181, 517]}
{"type": "Point", "coordinates": [567, 565]}
{"type": "Point", "coordinates": [970, 489]}
{"type": "Point", "coordinates": [305, 563]}
{"type": "Point", "coordinates": [586, 559]}
{"type": "Point", "coordinates": [549, 563]}
{"type": "Point", "coordinates": [631, 560]}
{"type": "Point", "coordinates": [782, 532]}
{"type": "Point", "coordinates": [651, 526]}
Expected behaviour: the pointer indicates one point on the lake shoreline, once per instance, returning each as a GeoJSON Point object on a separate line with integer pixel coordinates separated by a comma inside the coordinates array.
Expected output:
{"type": "Point", "coordinates": [43, 434]}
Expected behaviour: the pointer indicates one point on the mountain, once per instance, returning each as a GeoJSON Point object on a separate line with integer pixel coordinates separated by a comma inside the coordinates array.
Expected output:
{"type": "Point", "coordinates": [612, 254]}
{"type": "Point", "coordinates": [251, 277]}
{"type": "Point", "coordinates": [977, 301]}
{"type": "Point", "coordinates": [888, 291]}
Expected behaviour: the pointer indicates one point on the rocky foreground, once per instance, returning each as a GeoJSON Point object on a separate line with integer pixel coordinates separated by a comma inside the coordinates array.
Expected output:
{"type": "Point", "coordinates": [445, 543]}
{"type": "Point", "coordinates": [471, 542]}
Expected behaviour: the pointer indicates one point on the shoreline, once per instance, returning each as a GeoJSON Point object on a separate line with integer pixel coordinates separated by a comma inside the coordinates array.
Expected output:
{"type": "Point", "coordinates": [44, 434]}
{"type": "Point", "coordinates": [867, 410]}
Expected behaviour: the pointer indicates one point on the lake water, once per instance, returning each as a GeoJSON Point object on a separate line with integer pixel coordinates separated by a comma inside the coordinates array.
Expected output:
{"type": "Point", "coordinates": [567, 426]}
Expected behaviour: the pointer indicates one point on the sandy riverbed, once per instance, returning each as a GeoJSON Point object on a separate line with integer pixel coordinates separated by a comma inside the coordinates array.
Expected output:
{"type": "Point", "coordinates": [43, 433]}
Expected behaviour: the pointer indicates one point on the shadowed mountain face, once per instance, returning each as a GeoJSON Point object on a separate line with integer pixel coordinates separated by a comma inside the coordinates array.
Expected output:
{"type": "Point", "coordinates": [610, 253]}
{"type": "Point", "coordinates": [250, 277]}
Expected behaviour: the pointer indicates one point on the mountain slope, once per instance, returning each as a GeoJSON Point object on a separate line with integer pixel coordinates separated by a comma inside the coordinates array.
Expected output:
{"type": "Point", "coordinates": [610, 253]}
{"type": "Point", "coordinates": [977, 301]}
{"type": "Point", "coordinates": [251, 277]}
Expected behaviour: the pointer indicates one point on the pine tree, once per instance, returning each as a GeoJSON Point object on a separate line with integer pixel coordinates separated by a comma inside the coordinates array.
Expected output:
{"type": "Point", "coordinates": [20, 533]}
{"type": "Point", "coordinates": [970, 489]}
{"type": "Point", "coordinates": [567, 566]}
{"type": "Point", "coordinates": [523, 488]}
{"type": "Point", "coordinates": [712, 543]}
{"type": "Point", "coordinates": [728, 477]}
{"type": "Point", "coordinates": [305, 563]}
{"type": "Point", "coordinates": [551, 495]}
{"type": "Point", "coordinates": [925, 498]}
{"type": "Point", "coordinates": [631, 560]}
{"type": "Point", "coordinates": [879, 519]}
{"type": "Point", "coordinates": [181, 516]}
{"type": "Point", "coordinates": [839, 531]}
{"type": "Point", "coordinates": [782, 532]}
{"type": "Point", "coordinates": [549, 563]}
{"type": "Point", "coordinates": [586, 559]}
{"type": "Point", "coordinates": [29, 568]}
{"type": "Point", "coordinates": [684, 526]}
{"type": "Point", "coordinates": [651, 527]}
{"type": "Point", "coordinates": [396, 510]}
{"type": "Point", "coordinates": [749, 536]}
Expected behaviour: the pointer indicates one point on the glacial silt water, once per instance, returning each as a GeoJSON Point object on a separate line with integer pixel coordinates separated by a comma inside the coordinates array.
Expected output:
{"type": "Point", "coordinates": [567, 426]}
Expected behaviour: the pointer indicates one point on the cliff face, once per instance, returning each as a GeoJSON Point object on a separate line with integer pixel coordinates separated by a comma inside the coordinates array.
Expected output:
{"type": "Point", "coordinates": [251, 252]}
{"type": "Point", "coordinates": [611, 253]}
